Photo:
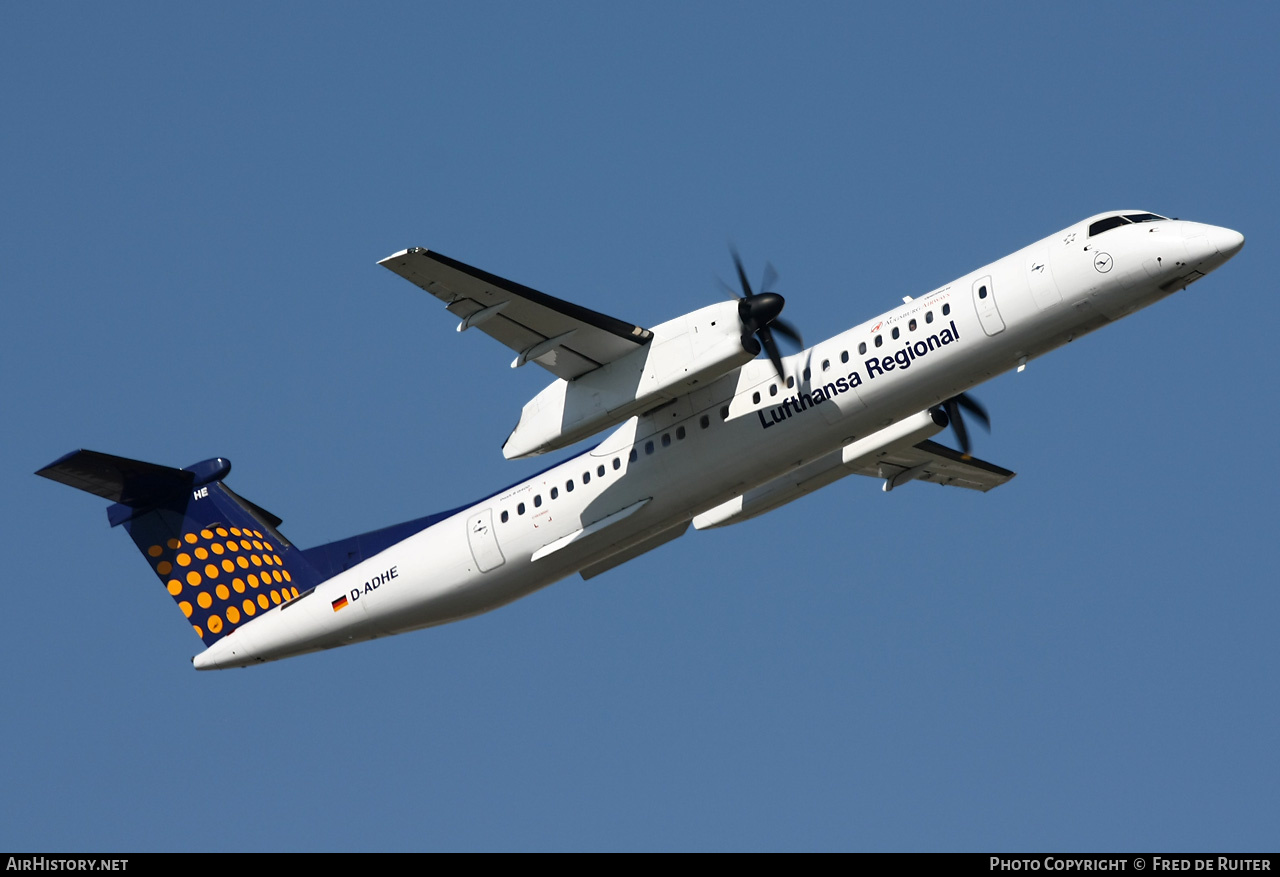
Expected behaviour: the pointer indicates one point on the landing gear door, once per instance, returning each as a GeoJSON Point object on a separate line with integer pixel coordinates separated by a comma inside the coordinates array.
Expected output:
{"type": "Point", "coordinates": [484, 541]}
{"type": "Point", "coordinates": [984, 299]}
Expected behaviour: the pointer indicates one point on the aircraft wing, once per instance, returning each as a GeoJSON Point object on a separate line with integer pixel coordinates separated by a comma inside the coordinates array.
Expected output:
{"type": "Point", "coordinates": [930, 461]}
{"type": "Point", "coordinates": [565, 339]}
{"type": "Point", "coordinates": [923, 461]}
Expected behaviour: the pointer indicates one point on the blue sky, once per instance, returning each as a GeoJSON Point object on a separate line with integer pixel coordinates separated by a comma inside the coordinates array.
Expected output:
{"type": "Point", "coordinates": [195, 203]}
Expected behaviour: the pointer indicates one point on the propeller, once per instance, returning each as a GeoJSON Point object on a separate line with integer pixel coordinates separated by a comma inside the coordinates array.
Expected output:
{"type": "Point", "coordinates": [758, 312]}
{"type": "Point", "coordinates": [953, 407]}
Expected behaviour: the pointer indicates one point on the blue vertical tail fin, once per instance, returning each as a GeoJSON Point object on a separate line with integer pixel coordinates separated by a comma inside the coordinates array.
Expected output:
{"type": "Point", "coordinates": [218, 555]}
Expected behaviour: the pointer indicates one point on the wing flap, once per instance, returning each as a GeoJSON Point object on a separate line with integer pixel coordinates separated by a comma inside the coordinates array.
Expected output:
{"type": "Point", "coordinates": [938, 464]}
{"type": "Point", "coordinates": [642, 547]}
{"type": "Point", "coordinates": [519, 317]}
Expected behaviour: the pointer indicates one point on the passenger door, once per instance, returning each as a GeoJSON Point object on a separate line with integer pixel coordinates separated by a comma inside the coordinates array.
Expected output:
{"type": "Point", "coordinates": [484, 541]}
{"type": "Point", "coordinates": [984, 300]}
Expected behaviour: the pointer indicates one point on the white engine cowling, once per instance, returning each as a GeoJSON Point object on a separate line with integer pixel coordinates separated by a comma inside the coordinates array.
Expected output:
{"type": "Point", "coordinates": [685, 354]}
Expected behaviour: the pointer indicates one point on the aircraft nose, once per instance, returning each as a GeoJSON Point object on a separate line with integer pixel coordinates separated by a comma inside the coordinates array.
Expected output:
{"type": "Point", "coordinates": [1226, 241]}
{"type": "Point", "coordinates": [1209, 246]}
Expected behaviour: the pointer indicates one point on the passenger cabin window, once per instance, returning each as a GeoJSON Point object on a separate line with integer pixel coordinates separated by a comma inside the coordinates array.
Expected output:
{"type": "Point", "coordinates": [704, 421]}
{"type": "Point", "coordinates": [520, 509]}
{"type": "Point", "coordinates": [568, 486]}
{"type": "Point", "coordinates": [844, 356]}
{"type": "Point", "coordinates": [755, 397]}
{"type": "Point", "coordinates": [679, 433]}
{"type": "Point", "coordinates": [586, 477]}
{"type": "Point", "coordinates": [506, 516]}
{"type": "Point", "coordinates": [634, 455]}
{"type": "Point", "coordinates": [537, 501]}
{"type": "Point", "coordinates": [928, 316]}
{"type": "Point", "coordinates": [911, 327]}
{"type": "Point", "coordinates": [896, 333]}
{"type": "Point", "coordinates": [826, 364]}
{"type": "Point", "coordinates": [617, 463]}
{"type": "Point", "coordinates": [773, 389]}
{"type": "Point", "coordinates": [982, 291]}
{"type": "Point", "coordinates": [666, 439]}
{"type": "Point", "coordinates": [555, 492]}
{"type": "Point", "coordinates": [791, 381]}
{"type": "Point", "coordinates": [946, 309]}
{"type": "Point", "coordinates": [862, 348]}
{"type": "Point", "coordinates": [600, 471]}
{"type": "Point", "coordinates": [648, 447]}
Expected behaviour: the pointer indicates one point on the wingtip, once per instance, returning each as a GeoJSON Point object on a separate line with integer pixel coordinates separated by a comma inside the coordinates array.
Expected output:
{"type": "Point", "coordinates": [401, 254]}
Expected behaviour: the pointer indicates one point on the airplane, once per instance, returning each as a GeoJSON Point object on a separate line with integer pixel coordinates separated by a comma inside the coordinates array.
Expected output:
{"type": "Point", "coordinates": [699, 430]}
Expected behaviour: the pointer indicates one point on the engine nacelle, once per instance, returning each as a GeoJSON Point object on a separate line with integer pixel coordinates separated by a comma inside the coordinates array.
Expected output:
{"type": "Point", "coordinates": [685, 354]}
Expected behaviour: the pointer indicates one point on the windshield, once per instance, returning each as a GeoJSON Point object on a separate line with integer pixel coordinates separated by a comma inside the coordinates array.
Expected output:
{"type": "Point", "coordinates": [1128, 219]}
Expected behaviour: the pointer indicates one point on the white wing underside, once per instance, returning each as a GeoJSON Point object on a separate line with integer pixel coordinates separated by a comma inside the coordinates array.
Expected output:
{"type": "Point", "coordinates": [930, 461]}
{"type": "Point", "coordinates": [923, 461]}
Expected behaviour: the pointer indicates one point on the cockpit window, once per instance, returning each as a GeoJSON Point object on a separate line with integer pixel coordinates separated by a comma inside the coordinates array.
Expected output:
{"type": "Point", "coordinates": [1116, 221]}
{"type": "Point", "coordinates": [1107, 224]}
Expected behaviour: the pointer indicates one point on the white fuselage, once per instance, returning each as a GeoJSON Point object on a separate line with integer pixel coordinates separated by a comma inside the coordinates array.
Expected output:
{"type": "Point", "coordinates": [655, 473]}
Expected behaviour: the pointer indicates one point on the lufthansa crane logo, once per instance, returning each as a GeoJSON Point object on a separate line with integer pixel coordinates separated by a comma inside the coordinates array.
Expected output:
{"type": "Point", "coordinates": [1102, 262]}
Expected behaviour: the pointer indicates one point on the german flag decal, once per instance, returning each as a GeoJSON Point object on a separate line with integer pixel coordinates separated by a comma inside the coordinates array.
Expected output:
{"type": "Point", "coordinates": [340, 603]}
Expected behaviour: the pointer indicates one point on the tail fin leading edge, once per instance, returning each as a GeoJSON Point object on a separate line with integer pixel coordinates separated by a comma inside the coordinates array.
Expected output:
{"type": "Point", "coordinates": [218, 555]}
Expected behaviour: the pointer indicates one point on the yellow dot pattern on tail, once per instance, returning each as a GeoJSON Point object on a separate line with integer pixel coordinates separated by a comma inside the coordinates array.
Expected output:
{"type": "Point", "coordinates": [216, 598]}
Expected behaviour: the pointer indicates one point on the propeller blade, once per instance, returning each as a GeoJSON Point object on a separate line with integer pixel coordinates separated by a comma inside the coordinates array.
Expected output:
{"type": "Point", "coordinates": [957, 423]}
{"type": "Point", "coordinates": [742, 274]}
{"type": "Point", "coordinates": [771, 348]}
{"type": "Point", "coordinates": [770, 278]}
{"type": "Point", "coordinates": [953, 406]}
{"type": "Point", "coordinates": [968, 403]}
{"type": "Point", "coordinates": [787, 331]}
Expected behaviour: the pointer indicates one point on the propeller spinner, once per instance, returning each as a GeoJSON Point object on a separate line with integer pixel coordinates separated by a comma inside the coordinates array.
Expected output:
{"type": "Point", "coordinates": [758, 312]}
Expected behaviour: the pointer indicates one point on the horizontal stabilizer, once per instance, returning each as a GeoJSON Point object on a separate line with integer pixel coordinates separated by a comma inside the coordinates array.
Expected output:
{"type": "Point", "coordinates": [118, 479]}
{"type": "Point", "coordinates": [218, 555]}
